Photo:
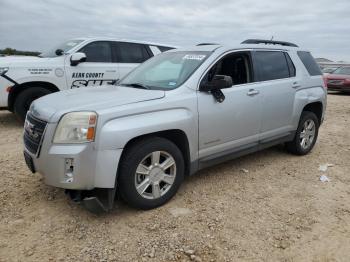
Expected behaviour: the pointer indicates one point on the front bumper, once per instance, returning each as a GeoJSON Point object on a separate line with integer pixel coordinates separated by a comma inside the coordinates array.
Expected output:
{"type": "Point", "coordinates": [75, 166]}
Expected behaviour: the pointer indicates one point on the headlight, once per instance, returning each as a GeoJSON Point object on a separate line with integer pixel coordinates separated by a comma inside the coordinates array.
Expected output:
{"type": "Point", "coordinates": [3, 70]}
{"type": "Point", "coordinates": [76, 127]}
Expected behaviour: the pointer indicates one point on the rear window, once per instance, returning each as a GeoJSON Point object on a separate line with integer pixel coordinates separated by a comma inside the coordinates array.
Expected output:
{"type": "Point", "coordinates": [271, 65]}
{"type": "Point", "coordinates": [309, 63]}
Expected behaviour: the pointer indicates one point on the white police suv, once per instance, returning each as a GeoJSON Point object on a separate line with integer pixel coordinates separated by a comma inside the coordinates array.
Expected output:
{"type": "Point", "coordinates": [76, 63]}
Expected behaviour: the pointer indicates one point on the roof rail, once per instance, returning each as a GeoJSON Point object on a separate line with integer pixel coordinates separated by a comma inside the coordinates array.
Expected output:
{"type": "Point", "coordinates": [206, 44]}
{"type": "Point", "coordinates": [268, 42]}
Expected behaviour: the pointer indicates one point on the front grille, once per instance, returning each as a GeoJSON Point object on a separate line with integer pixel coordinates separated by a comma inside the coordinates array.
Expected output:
{"type": "Point", "coordinates": [33, 133]}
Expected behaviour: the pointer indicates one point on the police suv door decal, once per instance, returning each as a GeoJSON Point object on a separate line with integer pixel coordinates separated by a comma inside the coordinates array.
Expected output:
{"type": "Point", "coordinates": [82, 79]}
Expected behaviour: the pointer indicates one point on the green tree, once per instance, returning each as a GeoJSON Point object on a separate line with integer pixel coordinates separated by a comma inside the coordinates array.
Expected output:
{"type": "Point", "coordinates": [12, 51]}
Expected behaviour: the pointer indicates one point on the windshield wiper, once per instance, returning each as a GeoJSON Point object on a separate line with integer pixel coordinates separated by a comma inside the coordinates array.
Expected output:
{"type": "Point", "coordinates": [136, 85]}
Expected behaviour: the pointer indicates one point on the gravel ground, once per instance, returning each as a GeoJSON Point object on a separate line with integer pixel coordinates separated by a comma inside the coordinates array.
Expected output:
{"type": "Point", "coordinates": [268, 206]}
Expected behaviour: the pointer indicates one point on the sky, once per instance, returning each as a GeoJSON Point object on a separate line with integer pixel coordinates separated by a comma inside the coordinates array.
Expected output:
{"type": "Point", "coordinates": [321, 26]}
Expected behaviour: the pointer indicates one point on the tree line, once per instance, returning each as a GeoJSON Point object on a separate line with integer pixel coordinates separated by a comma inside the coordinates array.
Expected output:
{"type": "Point", "coordinates": [12, 51]}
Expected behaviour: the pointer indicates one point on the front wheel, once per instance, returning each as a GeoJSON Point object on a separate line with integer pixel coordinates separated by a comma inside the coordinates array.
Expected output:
{"type": "Point", "coordinates": [306, 134]}
{"type": "Point", "coordinates": [25, 98]}
{"type": "Point", "coordinates": [151, 172]}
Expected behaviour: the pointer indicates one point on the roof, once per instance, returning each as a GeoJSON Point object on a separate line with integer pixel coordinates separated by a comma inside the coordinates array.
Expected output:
{"type": "Point", "coordinates": [211, 48]}
{"type": "Point", "coordinates": [122, 40]}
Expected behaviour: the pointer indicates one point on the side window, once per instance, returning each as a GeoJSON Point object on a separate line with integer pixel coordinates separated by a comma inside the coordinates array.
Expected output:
{"type": "Point", "coordinates": [292, 71]}
{"type": "Point", "coordinates": [309, 63]}
{"type": "Point", "coordinates": [237, 65]}
{"type": "Point", "coordinates": [99, 51]}
{"type": "Point", "coordinates": [270, 65]}
{"type": "Point", "coordinates": [131, 52]}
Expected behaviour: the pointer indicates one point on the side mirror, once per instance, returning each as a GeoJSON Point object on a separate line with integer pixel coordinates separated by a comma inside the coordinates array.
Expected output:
{"type": "Point", "coordinates": [215, 85]}
{"type": "Point", "coordinates": [59, 52]}
{"type": "Point", "coordinates": [218, 82]}
{"type": "Point", "coordinates": [77, 58]}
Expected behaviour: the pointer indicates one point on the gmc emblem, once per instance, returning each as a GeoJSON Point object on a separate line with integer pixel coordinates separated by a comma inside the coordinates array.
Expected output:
{"type": "Point", "coordinates": [30, 128]}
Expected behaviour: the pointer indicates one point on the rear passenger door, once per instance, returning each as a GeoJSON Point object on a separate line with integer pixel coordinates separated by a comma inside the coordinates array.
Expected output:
{"type": "Point", "coordinates": [277, 83]}
{"type": "Point", "coordinates": [130, 55]}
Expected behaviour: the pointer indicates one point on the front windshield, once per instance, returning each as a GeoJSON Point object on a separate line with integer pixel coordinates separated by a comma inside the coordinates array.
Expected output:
{"type": "Point", "coordinates": [65, 47]}
{"type": "Point", "coordinates": [342, 71]}
{"type": "Point", "coordinates": [165, 71]}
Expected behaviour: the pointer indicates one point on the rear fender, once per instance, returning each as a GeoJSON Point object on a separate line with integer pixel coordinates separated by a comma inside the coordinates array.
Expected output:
{"type": "Point", "coordinates": [307, 96]}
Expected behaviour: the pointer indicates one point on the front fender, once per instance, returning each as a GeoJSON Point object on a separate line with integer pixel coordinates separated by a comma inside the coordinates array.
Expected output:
{"type": "Point", "coordinates": [116, 133]}
{"type": "Point", "coordinates": [58, 82]}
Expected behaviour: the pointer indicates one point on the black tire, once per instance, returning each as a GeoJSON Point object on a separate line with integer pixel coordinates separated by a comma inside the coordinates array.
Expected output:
{"type": "Point", "coordinates": [294, 146]}
{"type": "Point", "coordinates": [134, 155]}
{"type": "Point", "coordinates": [25, 98]}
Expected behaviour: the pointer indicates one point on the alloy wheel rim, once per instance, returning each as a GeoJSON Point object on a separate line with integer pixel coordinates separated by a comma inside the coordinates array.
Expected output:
{"type": "Point", "coordinates": [155, 175]}
{"type": "Point", "coordinates": [307, 134]}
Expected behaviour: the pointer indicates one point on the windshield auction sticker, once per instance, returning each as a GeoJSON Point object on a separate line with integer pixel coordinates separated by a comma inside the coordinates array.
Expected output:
{"type": "Point", "coordinates": [194, 57]}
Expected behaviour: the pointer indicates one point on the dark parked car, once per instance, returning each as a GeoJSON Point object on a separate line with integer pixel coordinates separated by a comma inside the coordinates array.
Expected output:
{"type": "Point", "coordinates": [339, 80]}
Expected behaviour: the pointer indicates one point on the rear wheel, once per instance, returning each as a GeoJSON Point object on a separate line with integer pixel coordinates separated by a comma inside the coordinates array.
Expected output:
{"type": "Point", "coordinates": [151, 172]}
{"type": "Point", "coordinates": [306, 134]}
{"type": "Point", "coordinates": [25, 98]}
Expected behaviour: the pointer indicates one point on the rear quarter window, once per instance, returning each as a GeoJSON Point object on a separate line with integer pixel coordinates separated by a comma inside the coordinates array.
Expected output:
{"type": "Point", "coordinates": [309, 63]}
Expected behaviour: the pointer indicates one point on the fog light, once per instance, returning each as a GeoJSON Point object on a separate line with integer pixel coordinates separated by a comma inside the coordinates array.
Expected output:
{"type": "Point", "coordinates": [69, 170]}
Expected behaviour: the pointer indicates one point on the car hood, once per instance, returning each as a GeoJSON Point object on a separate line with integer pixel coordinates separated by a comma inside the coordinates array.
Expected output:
{"type": "Point", "coordinates": [8, 60]}
{"type": "Point", "coordinates": [51, 107]}
{"type": "Point", "coordinates": [29, 61]}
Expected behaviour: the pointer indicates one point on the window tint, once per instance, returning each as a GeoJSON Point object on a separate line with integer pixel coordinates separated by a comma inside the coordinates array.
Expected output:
{"type": "Point", "coordinates": [164, 48]}
{"type": "Point", "coordinates": [310, 63]}
{"type": "Point", "coordinates": [131, 53]}
{"type": "Point", "coordinates": [271, 65]}
{"type": "Point", "coordinates": [98, 52]}
{"type": "Point", "coordinates": [236, 65]}
{"type": "Point", "coordinates": [290, 65]}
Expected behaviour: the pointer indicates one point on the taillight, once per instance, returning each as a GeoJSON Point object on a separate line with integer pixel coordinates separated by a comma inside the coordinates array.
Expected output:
{"type": "Point", "coordinates": [325, 82]}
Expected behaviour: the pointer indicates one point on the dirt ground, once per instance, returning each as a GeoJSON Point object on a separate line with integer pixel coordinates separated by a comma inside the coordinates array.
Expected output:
{"type": "Point", "coordinates": [268, 206]}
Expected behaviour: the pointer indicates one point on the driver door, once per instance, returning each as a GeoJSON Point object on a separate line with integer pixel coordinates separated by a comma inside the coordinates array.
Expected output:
{"type": "Point", "coordinates": [234, 124]}
{"type": "Point", "coordinates": [99, 68]}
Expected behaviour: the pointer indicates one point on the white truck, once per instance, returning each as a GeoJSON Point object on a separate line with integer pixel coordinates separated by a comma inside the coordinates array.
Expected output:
{"type": "Point", "coordinates": [76, 63]}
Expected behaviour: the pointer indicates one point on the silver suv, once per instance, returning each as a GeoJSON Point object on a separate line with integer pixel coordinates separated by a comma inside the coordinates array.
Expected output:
{"type": "Point", "coordinates": [179, 112]}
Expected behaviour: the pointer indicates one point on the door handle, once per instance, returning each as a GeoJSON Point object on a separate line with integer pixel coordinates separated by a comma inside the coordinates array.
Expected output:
{"type": "Point", "coordinates": [111, 71]}
{"type": "Point", "coordinates": [252, 92]}
{"type": "Point", "coordinates": [296, 85]}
